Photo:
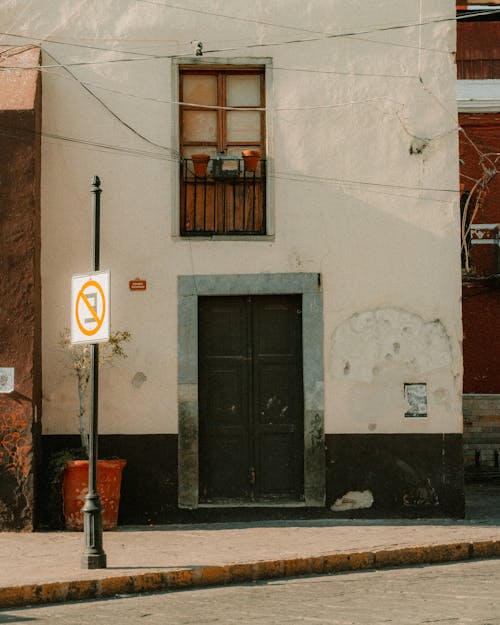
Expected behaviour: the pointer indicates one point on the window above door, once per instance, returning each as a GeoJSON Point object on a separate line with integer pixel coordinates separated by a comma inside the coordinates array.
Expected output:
{"type": "Point", "coordinates": [222, 120]}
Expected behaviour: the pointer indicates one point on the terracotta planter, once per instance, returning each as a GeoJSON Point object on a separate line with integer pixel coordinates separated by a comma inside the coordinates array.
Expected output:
{"type": "Point", "coordinates": [75, 482]}
{"type": "Point", "coordinates": [200, 164]}
{"type": "Point", "coordinates": [251, 159]}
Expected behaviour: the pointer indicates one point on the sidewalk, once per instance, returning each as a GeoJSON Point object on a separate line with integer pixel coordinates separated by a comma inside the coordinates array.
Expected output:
{"type": "Point", "coordinates": [45, 567]}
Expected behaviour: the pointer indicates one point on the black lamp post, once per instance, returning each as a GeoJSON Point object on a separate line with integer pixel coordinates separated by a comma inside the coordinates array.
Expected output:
{"type": "Point", "coordinates": [93, 556]}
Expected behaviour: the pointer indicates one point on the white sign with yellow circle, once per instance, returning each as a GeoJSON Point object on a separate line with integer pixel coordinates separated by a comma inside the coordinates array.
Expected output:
{"type": "Point", "coordinates": [90, 306]}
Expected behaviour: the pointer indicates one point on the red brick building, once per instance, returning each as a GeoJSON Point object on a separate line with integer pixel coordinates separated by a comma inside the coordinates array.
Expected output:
{"type": "Point", "coordinates": [478, 73]}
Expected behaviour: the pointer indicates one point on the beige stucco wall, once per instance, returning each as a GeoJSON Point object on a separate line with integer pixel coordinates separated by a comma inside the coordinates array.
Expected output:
{"type": "Point", "coordinates": [348, 198]}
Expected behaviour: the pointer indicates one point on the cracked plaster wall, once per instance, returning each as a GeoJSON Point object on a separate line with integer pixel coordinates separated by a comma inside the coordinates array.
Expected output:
{"type": "Point", "coordinates": [374, 353]}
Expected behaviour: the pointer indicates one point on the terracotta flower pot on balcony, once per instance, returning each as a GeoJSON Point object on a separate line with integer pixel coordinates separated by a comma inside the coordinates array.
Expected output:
{"type": "Point", "coordinates": [75, 487]}
{"type": "Point", "coordinates": [251, 159]}
{"type": "Point", "coordinates": [200, 164]}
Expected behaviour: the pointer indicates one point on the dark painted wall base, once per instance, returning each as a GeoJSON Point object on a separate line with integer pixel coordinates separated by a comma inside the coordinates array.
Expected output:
{"type": "Point", "coordinates": [149, 483]}
{"type": "Point", "coordinates": [412, 475]}
{"type": "Point", "coordinates": [408, 476]}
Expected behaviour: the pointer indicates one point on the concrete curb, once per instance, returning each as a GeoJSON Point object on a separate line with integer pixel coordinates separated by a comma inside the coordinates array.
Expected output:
{"type": "Point", "coordinates": [198, 577]}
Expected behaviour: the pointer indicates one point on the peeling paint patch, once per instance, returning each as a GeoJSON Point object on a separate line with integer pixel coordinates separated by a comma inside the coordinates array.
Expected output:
{"type": "Point", "coordinates": [353, 500]}
{"type": "Point", "coordinates": [373, 341]}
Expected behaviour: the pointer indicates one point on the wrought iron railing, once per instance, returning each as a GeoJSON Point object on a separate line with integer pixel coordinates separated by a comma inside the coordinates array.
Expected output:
{"type": "Point", "coordinates": [229, 199]}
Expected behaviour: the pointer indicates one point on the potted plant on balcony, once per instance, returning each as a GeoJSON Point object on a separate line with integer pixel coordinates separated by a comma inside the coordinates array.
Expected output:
{"type": "Point", "coordinates": [251, 159]}
{"type": "Point", "coordinates": [200, 164]}
{"type": "Point", "coordinates": [69, 467]}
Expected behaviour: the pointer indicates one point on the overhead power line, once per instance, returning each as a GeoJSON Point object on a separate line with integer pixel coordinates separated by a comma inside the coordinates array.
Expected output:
{"type": "Point", "coordinates": [115, 115]}
{"type": "Point", "coordinates": [178, 7]}
{"type": "Point", "coordinates": [309, 107]}
{"type": "Point", "coordinates": [323, 36]}
{"type": "Point", "coordinates": [376, 187]}
{"type": "Point", "coordinates": [75, 45]}
{"type": "Point", "coordinates": [174, 153]}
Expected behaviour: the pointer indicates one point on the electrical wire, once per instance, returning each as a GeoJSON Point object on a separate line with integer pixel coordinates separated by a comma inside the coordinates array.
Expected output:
{"type": "Point", "coordinates": [76, 45]}
{"type": "Point", "coordinates": [213, 106]}
{"type": "Point", "coordinates": [339, 73]}
{"type": "Point", "coordinates": [360, 32]}
{"type": "Point", "coordinates": [324, 36]}
{"type": "Point", "coordinates": [375, 28]}
{"type": "Point", "coordinates": [115, 115]}
{"type": "Point", "coordinates": [46, 68]}
{"type": "Point", "coordinates": [175, 152]}
{"type": "Point", "coordinates": [362, 183]}
{"type": "Point", "coordinates": [300, 29]}
{"type": "Point", "coordinates": [16, 132]}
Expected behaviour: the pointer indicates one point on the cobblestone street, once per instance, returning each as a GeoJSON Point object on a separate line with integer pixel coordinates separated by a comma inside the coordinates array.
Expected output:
{"type": "Point", "coordinates": [464, 593]}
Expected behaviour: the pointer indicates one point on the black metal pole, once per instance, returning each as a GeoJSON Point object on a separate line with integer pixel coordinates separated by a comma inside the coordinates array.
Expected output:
{"type": "Point", "coordinates": [93, 556]}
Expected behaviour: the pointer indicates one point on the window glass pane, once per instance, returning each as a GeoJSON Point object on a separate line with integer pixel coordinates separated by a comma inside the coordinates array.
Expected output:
{"type": "Point", "coordinates": [243, 90]}
{"type": "Point", "coordinates": [199, 126]}
{"type": "Point", "coordinates": [199, 89]}
{"type": "Point", "coordinates": [243, 126]}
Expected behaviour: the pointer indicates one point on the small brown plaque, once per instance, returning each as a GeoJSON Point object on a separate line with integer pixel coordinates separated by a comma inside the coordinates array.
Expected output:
{"type": "Point", "coordinates": [137, 284]}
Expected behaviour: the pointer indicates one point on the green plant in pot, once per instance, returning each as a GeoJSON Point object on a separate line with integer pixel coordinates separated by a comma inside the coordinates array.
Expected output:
{"type": "Point", "coordinates": [68, 469]}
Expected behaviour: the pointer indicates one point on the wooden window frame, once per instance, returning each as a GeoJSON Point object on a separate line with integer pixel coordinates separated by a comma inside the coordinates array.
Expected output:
{"type": "Point", "coordinates": [221, 72]}
{"type": "Point", "coordinates": [264, 63]}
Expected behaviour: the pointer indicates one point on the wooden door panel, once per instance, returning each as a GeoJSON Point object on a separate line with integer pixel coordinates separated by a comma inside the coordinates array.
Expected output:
{"type": "Point", "coordinates": [276, 325]}
{"type": "Point", "coordinates": [223, 398]}
{"type": "Point", "coordinates": [223, 327]}
{"type": "Point", "coordinates": [277, 393]}
{"type": "Point", "coordinates": [276, 467]}
{"type": "Point", "coordinates": [224, 468]}
{"type": "Point", "coordinates": [250, 397]}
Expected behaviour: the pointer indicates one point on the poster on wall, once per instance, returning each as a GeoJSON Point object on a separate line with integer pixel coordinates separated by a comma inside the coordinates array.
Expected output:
{"type": "Point", "coordinates": [416, 396]}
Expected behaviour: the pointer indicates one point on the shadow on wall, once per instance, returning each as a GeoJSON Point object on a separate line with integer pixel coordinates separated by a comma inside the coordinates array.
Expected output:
{"type": "Point", "coordinates": [406, 475]}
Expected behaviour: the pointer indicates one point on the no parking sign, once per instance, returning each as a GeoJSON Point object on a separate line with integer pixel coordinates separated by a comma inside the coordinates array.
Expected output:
{"type": "Point", "coordinates": [90, 305]}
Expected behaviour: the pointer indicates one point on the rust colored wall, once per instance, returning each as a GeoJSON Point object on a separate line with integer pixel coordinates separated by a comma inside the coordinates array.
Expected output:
{"type": "Point", "coordinates": [481, 321]}
{"type": "Point", "coordinates": [478, 57]}
{"type": "Point", "coordinates": [20, 325]}
{"type": "Point", "coordinates": [478, 49]}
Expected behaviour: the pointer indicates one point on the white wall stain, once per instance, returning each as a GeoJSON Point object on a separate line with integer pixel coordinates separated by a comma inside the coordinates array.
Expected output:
{"type": "Point", "coordinates": [371, 341]}
{"type": "Point", "coordinates": [374, 353]}
{"type": "Point", "coordinates": [353, 500]}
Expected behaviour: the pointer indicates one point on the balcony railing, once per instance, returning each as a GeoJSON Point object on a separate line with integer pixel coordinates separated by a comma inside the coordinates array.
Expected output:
{"type": "Point", "coordinates": [227, 200]}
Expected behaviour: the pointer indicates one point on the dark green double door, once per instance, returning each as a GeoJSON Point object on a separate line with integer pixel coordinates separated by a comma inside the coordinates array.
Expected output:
{"type": "Point", "coordinates": [251, 445]}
